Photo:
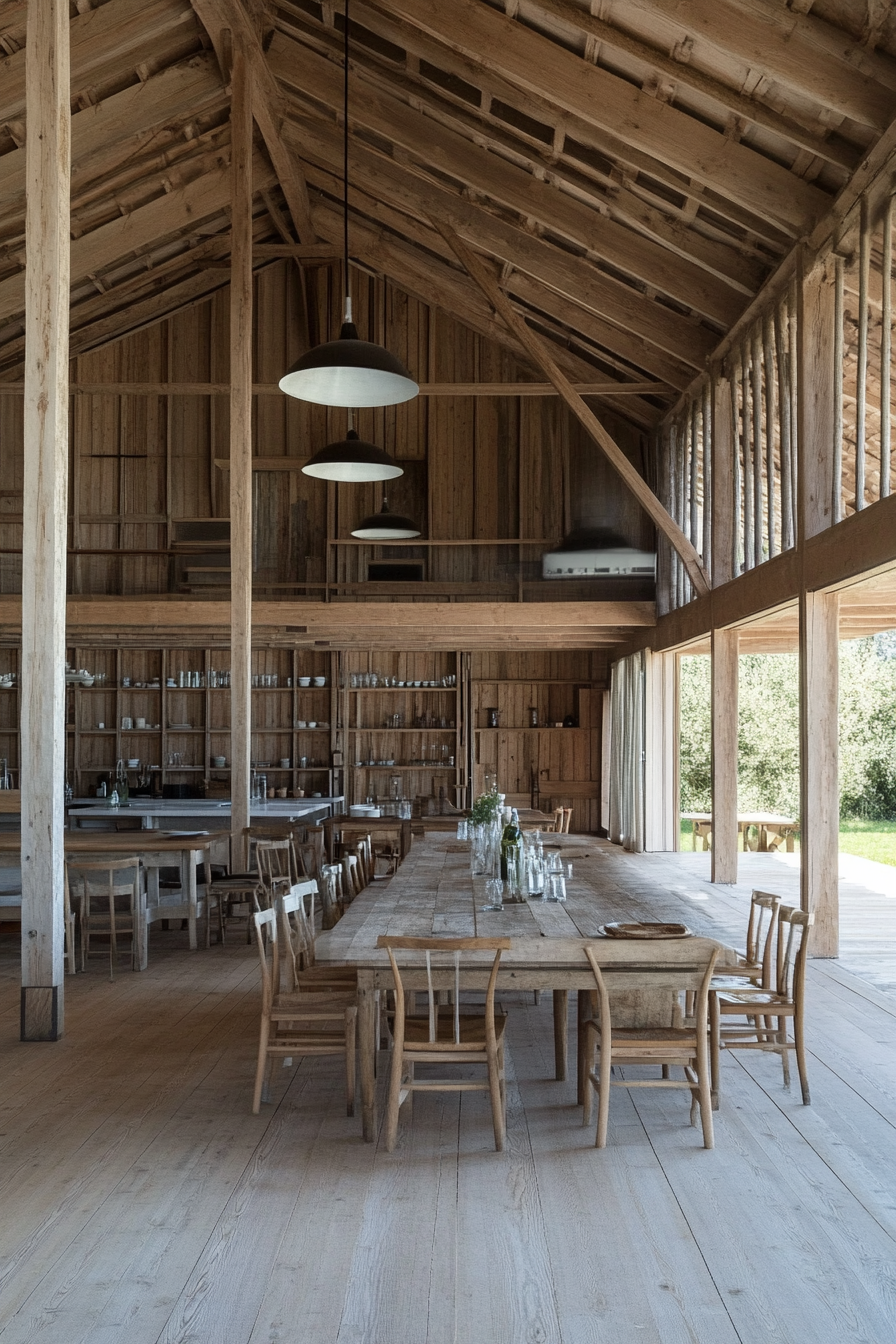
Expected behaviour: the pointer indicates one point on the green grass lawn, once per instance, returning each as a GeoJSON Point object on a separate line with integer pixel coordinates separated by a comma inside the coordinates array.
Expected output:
{"type": "Point", "coordinates": [867, 839]}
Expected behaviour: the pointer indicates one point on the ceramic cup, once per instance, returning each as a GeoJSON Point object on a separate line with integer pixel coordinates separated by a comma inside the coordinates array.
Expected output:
{"type": "Point", "coordinates": [281, 793]}
{"type": "Point", "coordinates": [139, 723]}
{"type": "Point", "coordinates": [219, 762]}
{"type": "Point", "coordinates": [304, 681]}
{"type": "Point", "coordinates": [127, 723]}
{"type": "Point", "coordinates": [284, 762]}
{"type": "Point", "coordinates": [101, 726]}
{"type": "Point", "coordinates": [320, 681]}
{"type": "Point", "coordinates": [312, 723]}
{"type": "Point", "coordinates": [300, 723]}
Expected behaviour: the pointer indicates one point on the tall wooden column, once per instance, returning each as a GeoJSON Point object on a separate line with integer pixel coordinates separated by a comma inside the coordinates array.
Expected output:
{"type": "Point", "coordinates": [819, 783]}
{"type": "Point", "coordinates": [819, 454]}
{"type": "Point", "coordinates": [45, 486]}
{"type": "Point", "coordinates": [661, 790]}
{"type": "Point", "coordinates": [240, 449]}
{"type": "Point", "coordinates": [724, 674]}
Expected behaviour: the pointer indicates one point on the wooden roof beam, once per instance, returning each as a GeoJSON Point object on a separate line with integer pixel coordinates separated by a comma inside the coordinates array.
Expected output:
{"type": "Point", "coordinates": [611, 450]}
{"type": "Point", "coordinates": [617, 348]}
{"type": "Point", "coordinates": [182, 209]}
{"type": "Point", "coordinates": [105, 41]}
{"type": "Point", "coordinates": [530, 61]}
{"type": "Point", "coordinates": [719, 254]}
{"type": "Point", "coordinates": [217, 15]}
{"type": "Point", "coordinates": [501, 180]}
{"type": "Point", "coordinates": [579, 280]}
{"type": "Point", "coordinates": [687, 74]}
{"type": "Point", "coordinates": [797, 50]}
{"type": "Point", "coordinates": [433, 282]}
{"type": "Point", "coordinates": [108, 133]}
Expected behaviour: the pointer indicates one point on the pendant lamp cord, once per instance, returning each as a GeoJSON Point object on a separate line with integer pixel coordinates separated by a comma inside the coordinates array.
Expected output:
{"type": "Point", "coordinates": [345, 156]}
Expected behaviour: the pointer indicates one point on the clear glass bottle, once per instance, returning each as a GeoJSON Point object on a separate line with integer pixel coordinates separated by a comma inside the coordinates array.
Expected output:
{"type": "Point", "coordinates": [511, 854]}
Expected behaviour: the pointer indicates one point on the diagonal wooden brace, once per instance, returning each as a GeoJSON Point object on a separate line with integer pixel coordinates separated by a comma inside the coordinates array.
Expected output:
{"type": "Point", "coordinates": [531, 342]}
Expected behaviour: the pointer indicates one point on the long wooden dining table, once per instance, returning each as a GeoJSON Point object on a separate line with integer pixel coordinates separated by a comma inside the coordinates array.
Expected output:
{"type": "Point", "coordinates": [155, 849]}
{"type": "Point", "coordinates": [434, 894]}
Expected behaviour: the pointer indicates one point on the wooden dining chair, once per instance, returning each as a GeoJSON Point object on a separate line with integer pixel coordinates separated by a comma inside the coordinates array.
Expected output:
{"type": "Point", "coordinates": [107, 886]}
{"type": "Point", "coordinates": [556, 826]}
{"type": "Point", "coordinates": [296, 912]}
{"type": "Point", "coordinates": [768, 1008]}
{"type": "Point", "coordinates": [331, 894]}
{"type": "Point", "coordinates": [312, 1022]}
{"type": "Point", "coordinates": [352, 880]}
{"type": "Point", "coordinates": [442, 1037]}
{"type": "Point", "coordinates": [756, 962]}
{"type": "Point", "coordinates": [307, 858]}
{"type": "Point", "coordinates": [681, 967]}
{"type": "Point", "coordinates": [278, 865]}
{"type": "Point", "coordinates": [70, 959]}
{"type": "Point", "coordinates": [364, 851]}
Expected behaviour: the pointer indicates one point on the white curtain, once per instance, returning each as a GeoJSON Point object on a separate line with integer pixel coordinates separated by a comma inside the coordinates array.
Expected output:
{"type": "Point", "coordinates": [627, 753]}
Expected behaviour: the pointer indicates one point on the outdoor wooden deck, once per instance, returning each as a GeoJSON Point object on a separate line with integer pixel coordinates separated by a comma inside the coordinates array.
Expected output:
{"type": "Point", "coordinates": [144, 1202]}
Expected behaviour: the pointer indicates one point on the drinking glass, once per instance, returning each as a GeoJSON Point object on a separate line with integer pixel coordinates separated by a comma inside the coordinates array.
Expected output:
{"type": "Point", "coordinates": [494, 894]}
{"type": "Point", "coordinates": [480, 851]}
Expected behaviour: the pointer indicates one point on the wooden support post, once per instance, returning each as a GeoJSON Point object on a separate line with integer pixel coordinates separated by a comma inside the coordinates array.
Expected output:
{"type": "Point", "coordinates": [724, 673]}
{"type": "Point", "coordinates": [241, 450]}
{"type": "Point", "coordinates": [45, 486]}
{"type": "Point", "coordinates": [661, 791]}
{"type": "Point", "coordinates": [819, 785]}
{"type": "Point", "coordinates": [818, 481]}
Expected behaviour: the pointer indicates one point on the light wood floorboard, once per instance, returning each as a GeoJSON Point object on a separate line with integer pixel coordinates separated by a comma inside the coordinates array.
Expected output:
{"type": "Point", "coordinates": [143, 1203]}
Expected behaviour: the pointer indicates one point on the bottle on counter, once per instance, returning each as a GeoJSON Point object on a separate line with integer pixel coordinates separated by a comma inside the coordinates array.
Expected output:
{"type": "Point", "coordinates": [511, 854]}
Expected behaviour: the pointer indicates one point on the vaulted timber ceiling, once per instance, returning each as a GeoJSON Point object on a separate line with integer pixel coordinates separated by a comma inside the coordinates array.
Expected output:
{"type": "Point", "coordinates": [632, 169]}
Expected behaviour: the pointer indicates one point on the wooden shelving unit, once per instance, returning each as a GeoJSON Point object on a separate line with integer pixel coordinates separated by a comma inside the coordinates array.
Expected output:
{"type": "Point", "coordinates": [548, 765]}
{"type": "Point", "coordinates": [188, 726]}
{"type": "Point", "coordinates": [436, 737]}
{"type": "Point", "coordinates": [411, 732]}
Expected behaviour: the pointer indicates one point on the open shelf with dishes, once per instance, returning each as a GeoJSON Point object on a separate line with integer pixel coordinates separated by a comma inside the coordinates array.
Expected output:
{"type": "Point", "coordinates": [402, 713]}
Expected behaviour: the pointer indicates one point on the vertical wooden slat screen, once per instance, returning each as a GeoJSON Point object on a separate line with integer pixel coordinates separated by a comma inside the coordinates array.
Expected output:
{"type": "Point", "coordinates": [886, 346]}
{"type": "Point", "coordinates": [837, 498]}
{"type": "Point", "coordinates": [862, 353]}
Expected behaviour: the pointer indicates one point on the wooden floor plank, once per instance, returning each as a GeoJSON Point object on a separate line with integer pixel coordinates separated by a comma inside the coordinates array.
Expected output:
{"type": "Point", "coordinates": [143, 1202]}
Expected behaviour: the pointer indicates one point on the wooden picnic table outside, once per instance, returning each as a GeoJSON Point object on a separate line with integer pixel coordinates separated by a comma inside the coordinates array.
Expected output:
{"type": "Point", "coordinates": [433, 893]}
{"type": "Point", "coordinates": [773, 830]}
{"type": "Point", "coordinates": [155, 849]}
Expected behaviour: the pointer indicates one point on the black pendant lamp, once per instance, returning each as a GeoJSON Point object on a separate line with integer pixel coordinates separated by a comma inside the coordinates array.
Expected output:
{"type": "Point", "coordinates": [386, 526]}
{"type": "Point", "coordinates": [349, 371]}
{"type": "Point", "coordinates": [352, 459]}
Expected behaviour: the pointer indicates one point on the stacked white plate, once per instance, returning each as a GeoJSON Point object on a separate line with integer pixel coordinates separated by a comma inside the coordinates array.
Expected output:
{"type": "Point", "coordinates": [364, 810]}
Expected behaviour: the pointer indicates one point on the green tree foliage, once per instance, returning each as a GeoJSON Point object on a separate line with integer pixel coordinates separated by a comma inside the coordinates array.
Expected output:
{"type": "Point", "coordinates": [768, 731]}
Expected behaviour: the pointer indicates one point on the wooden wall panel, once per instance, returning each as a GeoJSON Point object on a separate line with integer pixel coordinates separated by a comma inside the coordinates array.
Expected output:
{"type": "Point", "coordinates": [474, 467]}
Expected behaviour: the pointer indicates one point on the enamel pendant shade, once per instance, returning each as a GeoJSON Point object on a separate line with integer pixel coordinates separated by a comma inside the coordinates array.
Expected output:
{"type": "Point", "coordinates": [386, 526]}
{"type": "Point", "coordinates": [352, 459]}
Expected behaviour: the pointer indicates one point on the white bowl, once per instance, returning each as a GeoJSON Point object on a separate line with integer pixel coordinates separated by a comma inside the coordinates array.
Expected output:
{"type": "Point", "coordinates": [304, 681]}
{"type": "Point", "coordinates": [320, 681]}
{"type": "Point", "coordinates": [312, 723]}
